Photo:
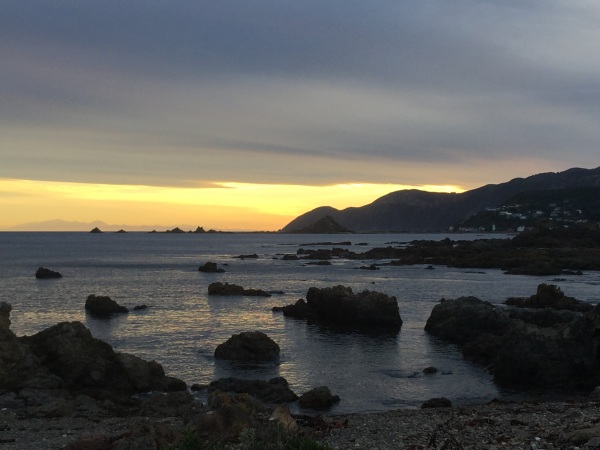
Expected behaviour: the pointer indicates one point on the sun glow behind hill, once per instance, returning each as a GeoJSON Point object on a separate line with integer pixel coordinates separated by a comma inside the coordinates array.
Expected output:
{"type": "Point", "coordinates": [219, 205]}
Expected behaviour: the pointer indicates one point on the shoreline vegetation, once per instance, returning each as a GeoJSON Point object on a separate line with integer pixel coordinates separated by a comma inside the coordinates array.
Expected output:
{"type": "Point", "coordinates": [63, 389]}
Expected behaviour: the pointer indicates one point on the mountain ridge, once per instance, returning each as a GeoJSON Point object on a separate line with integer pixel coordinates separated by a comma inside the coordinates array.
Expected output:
{"type": "Point", "coordinates": [421, 211]}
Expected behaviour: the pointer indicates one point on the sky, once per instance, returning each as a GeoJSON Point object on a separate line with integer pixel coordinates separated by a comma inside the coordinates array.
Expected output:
{"type": "Point", "coordinates": [241, 115]}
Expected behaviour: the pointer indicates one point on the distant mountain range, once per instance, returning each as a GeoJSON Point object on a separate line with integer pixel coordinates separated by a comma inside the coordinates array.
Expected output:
{"type": "Point", "coordinates": [420, 211]}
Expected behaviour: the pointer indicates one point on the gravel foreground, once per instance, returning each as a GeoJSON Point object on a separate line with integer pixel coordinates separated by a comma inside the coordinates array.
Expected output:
{"type": "Point", "coordinates": [552, 425]}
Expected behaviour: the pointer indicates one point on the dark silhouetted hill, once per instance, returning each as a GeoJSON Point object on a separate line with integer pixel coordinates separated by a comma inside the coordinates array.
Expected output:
{"type": "Point", "coordinates": [420, 211]}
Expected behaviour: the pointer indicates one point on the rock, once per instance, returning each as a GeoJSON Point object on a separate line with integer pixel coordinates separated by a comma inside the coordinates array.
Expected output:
{"type": "Point", "coordinates": [171, 404]}
{"type": "Point", "coordinates": [95, 230]}
{"type": "Point", "coordinates": [175, 230]}
{"type": "Point", "coordinates": [210, 267]}
{"type": "Point", "coordinates": [440, 402]}
{"type": "Point", "coordinates": [319, 398]}
{"type": "Point", "coordinates": [276, 390]}
{"type": "Point", "coordinates": [251, 256]}
{"type": "Point", "coordinates": [466, 318]}
{"type": "Point", "coordinates": [281, 414]}
{"type": "Point", "coordinates": [5, 309]}
{"type": "Point", "coordinates": [219, 288]}
{"type": "Point", "coordinates": [229, 416]}
{"type": "Point", "coordinates": [522, 350]}
{"type": "Point", "coordinates": [102, 306]}
{"type": "Point", "coordinates": [19, 367]}
{"type": "Point", "coordinates": [550, 296]}
{"type": "Point", "coordinates": [290, 258]}
{"type": "Point", "coordinates": [430, 370]}
{"type": "Point", "coordinates": [140, 307]}
{"type": "Point", "coordinates": [42, 273]}
{"type": "Point", "coordinates": [339, 305]}
{"type": "Point", "coordinates": [248, 346]}
{"type": "Point", "coordinates": [86, 364]}
{"type": "Point", "coordinates": [370, 267]}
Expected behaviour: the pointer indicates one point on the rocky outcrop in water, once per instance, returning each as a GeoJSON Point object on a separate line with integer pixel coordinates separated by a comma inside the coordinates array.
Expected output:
{"type": "Point", "coordinates": [248, 346]}
{"type": "Point", "coordinates": [543, 348]}
{"type": "Point", "coordinates": [550, 296]}
{"type": "Point", "coordinates": [219, 288]}
{"type": "Point", "coordinates": [103, 306]}
{"type": "Point", "coordinates": [42, 273]}
{"type": "Point", "coordinates": [210, 267]}
{"type": "Point", "coordinates": [340, 305]}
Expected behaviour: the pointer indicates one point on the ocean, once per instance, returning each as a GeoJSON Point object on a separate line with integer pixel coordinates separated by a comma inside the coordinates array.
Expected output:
{"type": "Point", "coordinates": [183, 324]}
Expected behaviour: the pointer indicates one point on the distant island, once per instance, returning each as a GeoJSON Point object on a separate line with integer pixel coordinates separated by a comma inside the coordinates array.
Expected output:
{"type": "Point", "coordinates": [562, 198]}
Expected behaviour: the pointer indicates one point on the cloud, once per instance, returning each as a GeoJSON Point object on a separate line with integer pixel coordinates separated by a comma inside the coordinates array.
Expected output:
{"type": "Point", "coordinates": [173, 93]}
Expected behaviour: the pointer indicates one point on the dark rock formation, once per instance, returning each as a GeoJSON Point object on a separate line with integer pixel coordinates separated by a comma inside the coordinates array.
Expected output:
{"type": "Point", "coordinates": [276, 390]}
{"type": "Point", "coordinates": [210, 267]}
{"type": "Point", "coordinates": [19, 367]}
{"type": "Point", "coordinates": [339, 305]}
{"type": "Point", "coordinates": [103, 306]}
{"type": "Point", "coordinates": [175, 230]}
{"type": "Point", "coordinates": [289, 258]}
{"type": "Point", "coordinates": [369, 267]}
{"type": "Point", "coordinates": [5, 309]}
{"type": "Point", "coordinates": [43, 273]}
{"type": "Point", "coordinates": [319, 398]}
{"type": "Point", "coordinates": [248, 346]}
{"type": "Point", "coordinates": [200, 230]}
{"type": "Point", "coordinates": [439, 402]}
{"type": "Point", "coordinates": [324, 225]}
{"type": "Point", "coordinates": [140, 307]}
{"type": "Point", "coordinates": [86, 364]}
{"type": "Point", "coordinates": [464, 319]}
{"type": "Point", "coordinates": [541, 349]}
{"type": "Point", "coordinates": [95, 230]}
{"type": "Point", "coordinates": [219, 288]}
{"type": "Point", "coordinates": [250, 256]}
{"type": "Point", "coordinates": [550, 296]}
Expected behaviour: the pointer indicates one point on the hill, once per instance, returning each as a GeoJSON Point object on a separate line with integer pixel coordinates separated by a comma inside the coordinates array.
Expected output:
{"type": "Point", "coordinates": [420, 211]}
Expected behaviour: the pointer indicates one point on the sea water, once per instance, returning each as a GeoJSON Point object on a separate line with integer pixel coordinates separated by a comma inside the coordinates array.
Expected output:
{"type": "Point", "coordinates": [183, 324]}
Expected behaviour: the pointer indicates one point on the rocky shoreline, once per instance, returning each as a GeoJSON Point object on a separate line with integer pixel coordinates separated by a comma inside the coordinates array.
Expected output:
{"type": "Point", "coordinates": [496, 425]}
{"type": "Point", "coordinates": [62, 389]}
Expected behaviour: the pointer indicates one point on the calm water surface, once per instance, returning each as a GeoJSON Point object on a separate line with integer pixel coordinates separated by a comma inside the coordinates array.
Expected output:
{"type": "Point", "coordinates": [183, 325]}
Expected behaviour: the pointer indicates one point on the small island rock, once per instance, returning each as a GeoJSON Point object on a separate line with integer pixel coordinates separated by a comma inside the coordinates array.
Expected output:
{"type": "Point", "coordinates": [210, 267]}
{"type": "Point", "coordinates": [103, 306]}
{"type": "Point", "coordinates": [43, 273]}
{"type": "Point", "coordinates": [248, 346]}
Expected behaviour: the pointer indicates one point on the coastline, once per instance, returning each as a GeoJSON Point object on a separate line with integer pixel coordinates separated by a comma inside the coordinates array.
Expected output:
{"type": "Point", "coordinates": [496, 425]}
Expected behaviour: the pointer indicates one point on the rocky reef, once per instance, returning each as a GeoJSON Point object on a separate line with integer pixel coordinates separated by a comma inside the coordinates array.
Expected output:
{"type": "Point", "coordinates": [341, 306]}
{"type": "Point", "coordinates": [545, 348]}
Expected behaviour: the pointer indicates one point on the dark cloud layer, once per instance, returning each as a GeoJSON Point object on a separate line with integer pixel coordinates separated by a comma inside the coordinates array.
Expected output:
{"type": "Point", "coordinates": [186, 90]}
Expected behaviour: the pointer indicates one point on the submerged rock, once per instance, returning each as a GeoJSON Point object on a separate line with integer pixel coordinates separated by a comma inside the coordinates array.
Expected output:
{"type": "Point", "coordinates": [248, 346]}
{"type": "Point", "coordinates": [219, 288]}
